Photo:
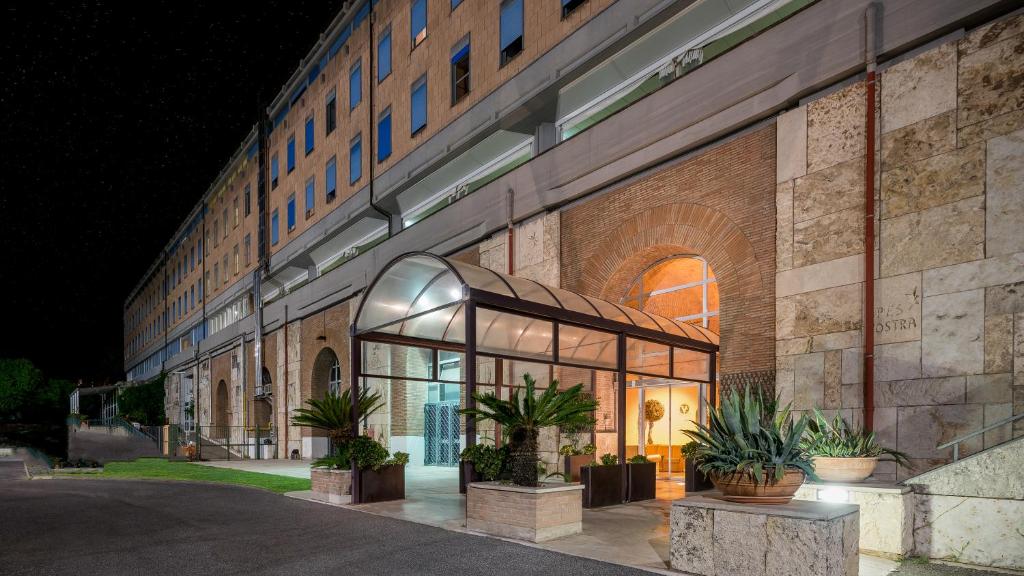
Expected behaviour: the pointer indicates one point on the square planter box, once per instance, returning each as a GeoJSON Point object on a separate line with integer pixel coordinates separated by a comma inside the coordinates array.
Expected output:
{"type": "Point", "coordinates": [574, 463]}
{"type": "Point", "coordinates": [329, 485]}
{"type": "Point", "coordinates": [602, 485]}
{"type": "Point", "coordinates": [387, 483]}
{"type": "Point", "coordinates": [695, 480]}
{"type": "Point", "coordinates": [533, 514]}
{"type": "Point", "coordinates": [640, 481]}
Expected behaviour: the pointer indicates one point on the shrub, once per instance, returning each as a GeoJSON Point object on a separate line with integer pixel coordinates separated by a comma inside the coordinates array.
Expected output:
{"type": "Point", "coordinates": [638, 459]}
{"type": "Point", "coordinates": [488, 461]}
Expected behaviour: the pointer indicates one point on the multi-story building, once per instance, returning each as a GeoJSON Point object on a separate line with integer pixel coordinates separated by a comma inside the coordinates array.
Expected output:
{"type": "Point", "coordinates": [806, 179]}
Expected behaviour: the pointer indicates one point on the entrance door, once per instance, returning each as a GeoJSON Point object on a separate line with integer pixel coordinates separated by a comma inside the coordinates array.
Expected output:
{"type": "Point", "coordinates": [657, 413]}
{"type": "Point", "coordinates": [441, 433]}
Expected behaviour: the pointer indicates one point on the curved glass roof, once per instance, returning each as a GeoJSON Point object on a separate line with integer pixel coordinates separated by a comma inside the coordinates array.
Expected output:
{"type": "Point", "coordinates": [423, 296]}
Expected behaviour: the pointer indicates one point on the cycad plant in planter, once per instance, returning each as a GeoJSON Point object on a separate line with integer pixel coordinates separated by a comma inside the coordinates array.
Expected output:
{"type": "Point", "coordinates": [331, 474]}
{"type": "Point", "coordinates": [523, 416]}
{"type": "Point", "coordinates": [842, 454]}
{"type": "Point", "coordinates": [751, 449]}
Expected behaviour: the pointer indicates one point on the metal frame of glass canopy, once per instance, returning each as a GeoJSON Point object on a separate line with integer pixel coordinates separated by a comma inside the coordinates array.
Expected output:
{"type": "Point", "coordinates": [427, 301]}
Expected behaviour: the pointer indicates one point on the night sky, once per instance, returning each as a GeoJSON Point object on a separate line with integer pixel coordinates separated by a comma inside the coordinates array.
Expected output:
{"type": "Point", "coordinates": [115, 117]}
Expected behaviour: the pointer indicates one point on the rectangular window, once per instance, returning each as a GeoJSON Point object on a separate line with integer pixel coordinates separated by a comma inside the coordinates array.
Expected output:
{"type": "Point", "coordinates": [331, 112]}
{"type": "Point", "coordinates": [455, 4]}
{"type": "Point", "coordinates": [216, 275]}
{"type": "Point", "coordinates": [291, 154]}
{"type": "Point", "coordinates": [419, 105]}
{"type": "Point", "coordinates": [216, 233]}
{"type": "Point", "coordinates": [384, 55]}
{"type": "Point", "coordinates": [384, 136]}
{"type": "Point", "coordinates": [247, 245]}
{"type": "Point", "coordinates": [234, 212]}
{"type": "Point", "coordinates": [248, 200]}
{"type": "Point", "coordinates": [418, 29]}
{"type": "Point", "coordinates": [224, 215]}
{"type": "Point", "coordinates": [309, 135]}
{"type": "Point", "coordinates": [201, 250]}
{"type": "Point", "coordinates": [236, 259]}
{"type": "Point", "coordinates": [460, 70]}
{"type": "Point", "coordinates": [355, 159]}
{"type": "Point", "coordinates": [355, 86]}
{"type": "Point", "coordinates": [511, 33]}
{"type": "Point", "coordinates": [291, 212]}
{"type": "Point", "coordinates": [192, 259]}
{"type": "Point", "coordinates": [569, 5]}
{"type": "Point", "coordinates": [273, 172]}
{"type": "Point", "coordinates": [201, 284]}
{"type": "Point", "coordinates": [226, 273]}
{"type": "Point", "coordinates": [274, 232]}
{"type": "Point", "coordinates": [331, 179]}
{"type": "Point", "coordinates": [310, 196]}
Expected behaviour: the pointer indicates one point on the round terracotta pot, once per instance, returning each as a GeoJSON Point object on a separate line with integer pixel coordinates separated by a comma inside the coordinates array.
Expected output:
{"type": "Point", "coordinates": [844, 469]}
{"type": "Point", "coordinates": [743, 488]}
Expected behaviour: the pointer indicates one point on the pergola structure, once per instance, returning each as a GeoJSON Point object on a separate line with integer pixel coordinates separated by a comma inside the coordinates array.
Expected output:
{"type": "Point", "coordinates": [435, 303]}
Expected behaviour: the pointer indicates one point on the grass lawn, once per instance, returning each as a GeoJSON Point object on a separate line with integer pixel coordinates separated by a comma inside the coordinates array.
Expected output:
{"type": "Point", "coordinates": [165, 470]}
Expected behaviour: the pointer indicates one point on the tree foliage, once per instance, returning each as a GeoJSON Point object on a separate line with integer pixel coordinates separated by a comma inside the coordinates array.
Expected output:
{"type": "Point", "coordinates": [27, 396]}
{"type": "Point", "coordinates": [143, 403]}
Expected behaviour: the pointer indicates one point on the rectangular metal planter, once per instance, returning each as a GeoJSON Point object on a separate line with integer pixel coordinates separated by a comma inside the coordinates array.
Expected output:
{"type": "Point", "coordinates": [602, 485]}
{"type": "Point", "coordinates": [574, 463]}
{"type": "Point", "coordinates": [467, 475]}
{"type": "Point", "coordinates": [695, 480]}
{"type": "Point", "coordinates": [382, 485]}
{"type": "Point", "coordinates": [640, 481]}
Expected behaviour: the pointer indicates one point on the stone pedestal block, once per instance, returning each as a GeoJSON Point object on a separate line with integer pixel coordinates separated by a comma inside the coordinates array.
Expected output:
{"type": "Point", "coordinates": [886, 514]}
{"type": "Point", "coordinates": [711, 537]}
{"type": "Point", "coordinates": [533, 514]}
{"type": "Point", "coordinates": [333, 486]}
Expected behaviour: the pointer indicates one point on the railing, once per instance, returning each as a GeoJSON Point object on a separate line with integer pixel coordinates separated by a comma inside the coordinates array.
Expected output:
{"type": "Point", "coordinates": [956, 442]}
{"type": "Point", "coordinates": [235, 442]}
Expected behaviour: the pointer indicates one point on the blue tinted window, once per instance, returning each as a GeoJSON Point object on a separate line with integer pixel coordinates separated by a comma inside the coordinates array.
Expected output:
{"type": "Point", "coordinates": [291, 211]}
{"type": "Point", "coordinates": [418, 29]}
{"type": "Point", "coordinates": [511, 34]}
{"type": "Point", "coordinates": [310, 195]}
{"type": "Point", "coordinates": [309, 135]}
{"type": "Point", "coordinates": [200, 249]}
{"type": "Point", "coordinates": [384, 136]}
{"type": "Point", "coordinates": [384, 56]}
{"type": "Point", "coordinates": [355, 86]}
{"type": "Point", "coordinates": [355, 160]}
{"type": "Point", "coordinates": [331, 178]}
{"type": "Point", "coordinates": [455, 4]}
{"type": "Point", "coordinates": [273, 172]}
{"type": "Point", "coordinates": [291, 155]}
{"type": "Point", "coordinates": [274, 232]}
{"type": "Point", "coordinates": [419, 105]}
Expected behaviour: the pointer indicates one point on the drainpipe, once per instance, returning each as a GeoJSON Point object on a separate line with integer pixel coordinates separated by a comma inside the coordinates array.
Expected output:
{"type": "Point", "coordinates": [284, 394]}
{"type": "Point", "coordinates": [869, 220]}
{"type": "Point", "coordinates": [372, 152]}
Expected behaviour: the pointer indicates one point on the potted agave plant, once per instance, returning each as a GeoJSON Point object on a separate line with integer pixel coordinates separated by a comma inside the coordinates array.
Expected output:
{"type": "Point", "coordinates": [751, 450]}
{"type": "Point", "coordinates": [842, 454]}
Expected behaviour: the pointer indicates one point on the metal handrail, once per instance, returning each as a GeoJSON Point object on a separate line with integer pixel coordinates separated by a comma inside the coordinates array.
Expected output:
{"type": "Point", "coordinates": [956, 442]}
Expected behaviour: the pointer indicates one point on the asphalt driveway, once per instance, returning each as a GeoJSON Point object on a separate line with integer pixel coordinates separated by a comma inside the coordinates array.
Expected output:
{"type": "Point", "coordinates": [81, 526]}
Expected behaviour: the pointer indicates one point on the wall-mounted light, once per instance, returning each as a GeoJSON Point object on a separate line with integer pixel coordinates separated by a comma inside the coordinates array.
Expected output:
{"type": "Point", "coordinates": [833, 494]}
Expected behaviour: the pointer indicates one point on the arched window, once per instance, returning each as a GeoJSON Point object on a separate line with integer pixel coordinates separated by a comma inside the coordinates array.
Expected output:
{"type": "Point", "coordinates": [334, 378]}
{"type": "Point", "coordinates": [679, 287]}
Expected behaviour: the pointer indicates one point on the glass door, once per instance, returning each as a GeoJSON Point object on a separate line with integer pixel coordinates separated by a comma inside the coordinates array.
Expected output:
{"type": "Point", "coordinates": [657, 413]}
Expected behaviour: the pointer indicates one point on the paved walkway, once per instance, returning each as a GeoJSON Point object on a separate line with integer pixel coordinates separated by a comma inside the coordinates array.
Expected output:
{"type": "Point", "coordinates": [154, 528]}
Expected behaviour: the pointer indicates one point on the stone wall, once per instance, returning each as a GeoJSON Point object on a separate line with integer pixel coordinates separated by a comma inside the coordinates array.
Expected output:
{"type": "Point", "coordinates": [949, 305]}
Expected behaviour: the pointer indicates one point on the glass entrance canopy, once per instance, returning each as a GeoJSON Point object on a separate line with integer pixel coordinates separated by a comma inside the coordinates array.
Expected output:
{"type": "Point", "coordinates": [421, 299]}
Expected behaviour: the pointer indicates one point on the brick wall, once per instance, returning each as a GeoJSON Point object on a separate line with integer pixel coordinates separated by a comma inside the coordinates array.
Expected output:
{"type": "Point", "coordinates": [718, 205]}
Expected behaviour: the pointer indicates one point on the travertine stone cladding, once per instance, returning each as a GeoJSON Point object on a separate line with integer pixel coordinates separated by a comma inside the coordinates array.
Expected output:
{"type": "Point", "coordinates": [949, 261]}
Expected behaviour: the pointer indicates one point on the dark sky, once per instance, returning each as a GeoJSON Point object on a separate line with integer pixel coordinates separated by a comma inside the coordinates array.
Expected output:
{"type": "Point", "coordinates": [115, 117]}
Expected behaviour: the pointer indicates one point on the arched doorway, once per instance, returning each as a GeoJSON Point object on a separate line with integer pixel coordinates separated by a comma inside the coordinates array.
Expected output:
{"type": "Point", "coordinates": [325, 379]}
{"type": "Point", "coordinates": [221, 411]}
{"type": "Point", "coordinates": [682, 287]}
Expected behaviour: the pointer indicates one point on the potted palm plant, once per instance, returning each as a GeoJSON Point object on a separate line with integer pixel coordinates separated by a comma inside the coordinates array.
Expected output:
{"type": "Point", "coordinates": [842, 454]}
{"type": "Point", "coordinates": [331, 475]}
{"type": "Point", "coordinates": [751, 450]}
{"type": "Point", "coordinates": [521, 509]}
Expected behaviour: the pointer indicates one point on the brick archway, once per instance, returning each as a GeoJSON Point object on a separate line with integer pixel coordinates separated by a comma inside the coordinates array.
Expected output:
{"type": "Point", "coordinates": [746, 295]}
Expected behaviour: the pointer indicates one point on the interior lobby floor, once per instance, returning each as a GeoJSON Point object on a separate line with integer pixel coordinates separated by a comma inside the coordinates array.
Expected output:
{"type": "Point", "coordinates": [635, 534]}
